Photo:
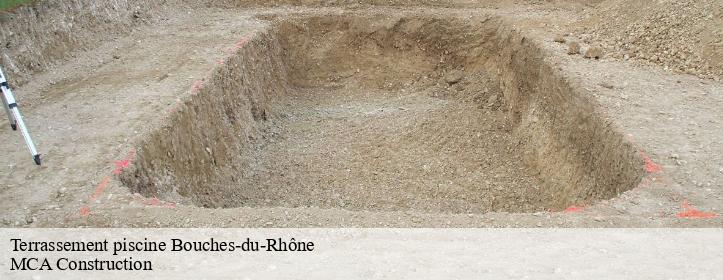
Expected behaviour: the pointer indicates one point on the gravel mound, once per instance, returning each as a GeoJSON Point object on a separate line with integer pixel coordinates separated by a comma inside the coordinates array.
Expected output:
{"type": "Point", "coordinates": [683, 36]}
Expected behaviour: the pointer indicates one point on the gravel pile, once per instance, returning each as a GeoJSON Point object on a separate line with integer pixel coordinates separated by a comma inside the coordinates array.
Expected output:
{"type": "Point", "coordinates": [680, 35]}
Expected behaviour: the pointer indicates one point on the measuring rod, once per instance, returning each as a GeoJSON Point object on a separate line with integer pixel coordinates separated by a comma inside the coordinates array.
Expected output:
{"type": "Point", "coordinates": [16, 120]}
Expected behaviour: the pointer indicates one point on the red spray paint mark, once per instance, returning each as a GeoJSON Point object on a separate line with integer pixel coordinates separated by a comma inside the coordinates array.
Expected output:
{"type": "Point", "coordinates": [197, 86]}
{"type": "Point", "coordinates": [154, 201]}
{"type": "Point", "coordinates": [573, 209]}
{"type": "Point", "coordinates": [242, 42]}
{"type": "Point", "coordinates": [691, 212]}
{"type": "Point", "coordinates": [650, 166]}
{"type": "Point", "coordinates": [239, 44]}
{"type": "Point", "coordinates": [120, 165]}
{"type": "Point", "coordinates": [220, 62]}
{"type": "Point", "coordinates": [100, 188]}
{"type": "Point", "coordinates": [85, 211]}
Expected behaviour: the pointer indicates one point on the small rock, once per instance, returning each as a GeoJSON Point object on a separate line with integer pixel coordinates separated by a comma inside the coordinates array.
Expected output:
{"type": "Point", "coordinates": [674, 156]}
{"type": "Point", "coordinates": [606, 85]}
{"type": "Point", "coordinates": [453, 77]}
{"type": "Point", "coordinates": [573, 48]}
{"type": "Point", "coordinates": [598, 219]}
{"type": "Point", "coordinates": [594, 52]}
{"type": "Point", "coordinates": [559, 38]}
{"type": "Point", "coordinates": [492, 100]}
{"type": "Point", "coordinates": [61, 192]}
{"type": "Point", "coordinates": [115, 56]}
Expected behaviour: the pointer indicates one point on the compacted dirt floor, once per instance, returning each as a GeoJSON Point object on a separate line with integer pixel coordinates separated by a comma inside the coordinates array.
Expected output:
{"type": "Point", "coordinates": [349, 156]}
{"type": "Point", "coordinates": [374, 150]}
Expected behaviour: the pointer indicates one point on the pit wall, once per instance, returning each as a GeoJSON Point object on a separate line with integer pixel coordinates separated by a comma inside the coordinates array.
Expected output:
{"type": "Point", "coordinates": [567, 4]}
{"type": "Point", "coordinates": [579, 155]}
{"type": "Point", "coordinates": [37, 35]}
{"type": "Point", "coordinates": [208, 136]}
{"type": "Point", "coordinates": [210, 139]}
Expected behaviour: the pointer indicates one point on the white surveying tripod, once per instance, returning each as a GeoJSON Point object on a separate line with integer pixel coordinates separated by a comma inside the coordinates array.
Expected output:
{"type": "Point", "coordinates": [16, 120]}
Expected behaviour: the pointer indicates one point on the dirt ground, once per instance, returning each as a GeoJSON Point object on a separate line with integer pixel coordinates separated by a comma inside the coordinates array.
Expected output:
{"type": "Point", "coordinates": [679, 36]}
{"type": "Point", "coordinates": [361, 150]}
{"type": "Point", "coordinates": [432, 144]}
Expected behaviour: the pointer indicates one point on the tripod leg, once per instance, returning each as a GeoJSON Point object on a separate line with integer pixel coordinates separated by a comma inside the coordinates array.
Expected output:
{"type": "Point", "coordinates": [13, 124]}
{"type": "Point", "coordinates": [18, 120]}
{"type": "Point", "coordinates": [26, 134]}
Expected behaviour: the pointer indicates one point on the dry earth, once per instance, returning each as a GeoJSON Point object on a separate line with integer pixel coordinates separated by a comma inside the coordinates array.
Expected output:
{"type": "Point", "coordinates": [439, 144]}
{"type": "Point", "coordinates": [680, 36]}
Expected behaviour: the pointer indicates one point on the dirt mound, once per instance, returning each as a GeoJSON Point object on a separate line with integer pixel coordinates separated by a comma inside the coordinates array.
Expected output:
{"type": "Point", "coordinates": [684, 36]}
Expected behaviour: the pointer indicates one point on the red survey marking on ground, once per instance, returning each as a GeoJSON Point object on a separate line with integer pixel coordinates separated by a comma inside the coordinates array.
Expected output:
{"type": "Point", "coordinates": [240, 43]}
{"type": "Point", "coordinates": [197, 86]}
{"type": "Point", "coordinates": [154, 201]}
{"type": "Point", "coordinates": [573, 209]}
{"type": "Point", "coordinates": [120, 165]}
{"type": "Point", "coordinates": [100, 188]}
{"type": "Point", "coordinates": [691, 212]}
{"type": "Point", "coordinates": [650, 166]}
{"type": "Point", "coordinates": [85, 211]}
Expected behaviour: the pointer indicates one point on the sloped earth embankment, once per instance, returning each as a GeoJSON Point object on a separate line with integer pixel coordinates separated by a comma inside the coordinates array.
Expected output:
{"type": "Point", "coordinates": [428, 113]}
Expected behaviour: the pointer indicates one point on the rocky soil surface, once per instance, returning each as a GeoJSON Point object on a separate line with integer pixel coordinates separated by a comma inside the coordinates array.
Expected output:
{"type": "Point", "coordinates": [88, 106]}
{"type": "Point", "coordinates": [681, 36]}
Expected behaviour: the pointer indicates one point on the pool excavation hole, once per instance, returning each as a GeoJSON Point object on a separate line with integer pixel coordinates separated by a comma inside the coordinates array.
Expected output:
{"type": "Point", "coordinates": [419, 112]}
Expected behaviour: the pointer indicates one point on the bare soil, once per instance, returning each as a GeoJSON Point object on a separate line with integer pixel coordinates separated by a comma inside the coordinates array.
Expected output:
{"type": "Point", "coordinates": [407, 53]}
{"type": "Point", "coordinates": [361, 116]}
{"type": "Point", "coordinates": [355, 149]}
{"type": "Point", "coordinates": [680, 36]}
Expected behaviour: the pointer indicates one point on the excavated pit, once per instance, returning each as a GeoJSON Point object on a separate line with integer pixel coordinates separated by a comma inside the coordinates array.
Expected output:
{"type": "Point", "coordinates": [429, 113]}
